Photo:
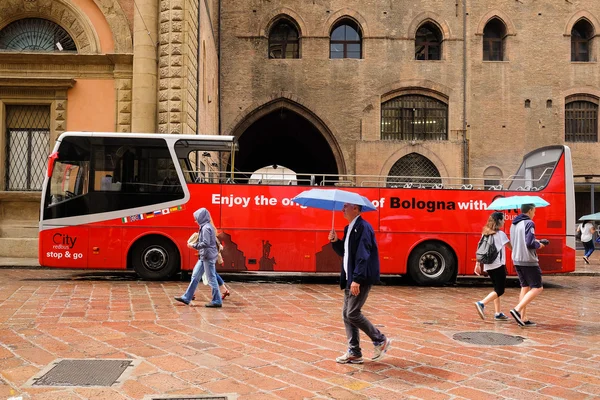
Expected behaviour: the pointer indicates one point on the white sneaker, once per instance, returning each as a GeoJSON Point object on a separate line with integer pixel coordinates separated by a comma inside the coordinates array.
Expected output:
{"type": "Point", "coordinates": [348, 358]}
{"type": "Point", "coordinates": [381, 349]}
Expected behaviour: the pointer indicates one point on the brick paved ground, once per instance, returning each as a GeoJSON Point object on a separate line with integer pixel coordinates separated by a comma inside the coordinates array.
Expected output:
{"type": "Point", "coordinates": [279, 341]}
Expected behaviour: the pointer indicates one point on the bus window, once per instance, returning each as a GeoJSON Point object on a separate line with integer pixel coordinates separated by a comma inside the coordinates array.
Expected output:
{"type": "Point", "coordinates": [69, 183]}
{"type": "Point", "coordinates": [111, 174]}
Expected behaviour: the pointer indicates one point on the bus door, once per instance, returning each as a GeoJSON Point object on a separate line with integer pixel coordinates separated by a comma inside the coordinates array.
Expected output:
{"type": "Point", "coordinates": [62, 245]}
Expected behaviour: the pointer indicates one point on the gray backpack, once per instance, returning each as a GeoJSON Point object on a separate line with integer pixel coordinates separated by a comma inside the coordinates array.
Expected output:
{"type": "Point", "coordinates": [486, 250]}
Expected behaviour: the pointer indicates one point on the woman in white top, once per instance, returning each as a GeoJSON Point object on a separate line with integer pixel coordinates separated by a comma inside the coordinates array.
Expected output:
{"type": "Point", "coordinates": [587, 238]}
{"type": "Point", "coordinates": [496, 269]}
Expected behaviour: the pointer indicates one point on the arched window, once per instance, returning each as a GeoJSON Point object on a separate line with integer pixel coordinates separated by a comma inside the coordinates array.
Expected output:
{"type": "Point", "coordinates": [35, 34]}
{"type": "Point", "coordinates": [413, 168]}
{"type": "Point", "coordinates": [492, 177]}
{"type": "Point", "coordinates": [494, 37]}
{"type": "Point", "coordinates": [428, 42]}
{"type": "Point", "coordinates": [284, 40]}
{"type": "Point", "coordinates": [581, 40]}
{"type": "Point", "coordinates": [345, 40]}
{"type": "Point", "coordinates": [581, 118]}
{"type": "Point", "coordinates": [414, 117]}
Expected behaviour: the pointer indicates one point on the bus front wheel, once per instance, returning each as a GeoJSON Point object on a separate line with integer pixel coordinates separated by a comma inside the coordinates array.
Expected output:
{"type": "Point", "coordinates": [432, 264]}
{"type": "Point", "coordinates": [154, 258]}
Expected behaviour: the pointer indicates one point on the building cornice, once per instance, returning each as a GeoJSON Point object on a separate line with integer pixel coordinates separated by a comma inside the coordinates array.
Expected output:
{"type": "Point", "coordinates": [65, 58]}
{"type": "Point", "coordinates": [38, 83]}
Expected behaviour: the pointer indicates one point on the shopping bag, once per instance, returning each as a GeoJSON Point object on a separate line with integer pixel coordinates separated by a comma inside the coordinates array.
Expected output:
{"type": "Point", "coordinates": [193, 238]}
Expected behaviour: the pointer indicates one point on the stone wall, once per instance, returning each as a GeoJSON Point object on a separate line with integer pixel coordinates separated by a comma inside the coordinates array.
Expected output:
{"type": "Point", "coordinates": [348, 93]}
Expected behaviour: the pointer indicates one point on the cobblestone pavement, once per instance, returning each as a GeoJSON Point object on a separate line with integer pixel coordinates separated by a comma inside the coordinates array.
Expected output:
{"type": "Point", "coordinates": [279, 341]}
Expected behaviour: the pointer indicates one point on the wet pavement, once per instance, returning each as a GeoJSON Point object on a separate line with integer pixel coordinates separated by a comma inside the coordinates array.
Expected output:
{"type": "Point", "coordinates": [274, 340]}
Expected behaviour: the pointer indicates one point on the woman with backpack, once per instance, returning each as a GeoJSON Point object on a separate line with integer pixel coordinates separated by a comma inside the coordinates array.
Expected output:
{"type": "Point", "coordinates": [495, 268]}
{"type": "Point", "coordinates": [587, 238]}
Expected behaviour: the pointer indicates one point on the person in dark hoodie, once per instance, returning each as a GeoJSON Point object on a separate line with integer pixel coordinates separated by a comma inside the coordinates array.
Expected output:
{"type": "Point", "coordinates": [360, 270]}
{"type": "Point", "coordinates": [207, 256]}
{"type": "Point", "coordinates": [525, 259]}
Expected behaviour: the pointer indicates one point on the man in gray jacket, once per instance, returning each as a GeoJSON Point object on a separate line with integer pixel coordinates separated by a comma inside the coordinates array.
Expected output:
{"type": "Point", "coordinates": [525, 259]}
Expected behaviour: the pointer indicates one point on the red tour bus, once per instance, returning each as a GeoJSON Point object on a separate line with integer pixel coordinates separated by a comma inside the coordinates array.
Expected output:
{"type": "Point", "coordinates": [125, 201]}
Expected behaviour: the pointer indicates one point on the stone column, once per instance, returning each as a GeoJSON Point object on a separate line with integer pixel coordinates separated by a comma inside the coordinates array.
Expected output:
{"type": "Point", "coordinates": [145, 37]}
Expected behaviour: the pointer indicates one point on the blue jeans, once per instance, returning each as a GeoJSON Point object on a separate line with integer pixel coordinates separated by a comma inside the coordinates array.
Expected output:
{"type": "Point", "coordinates": [211, 274]}
{"type": "Point", "coordinates": [589, 248]}
{"type": "Point", "coordinates": [220, 280]}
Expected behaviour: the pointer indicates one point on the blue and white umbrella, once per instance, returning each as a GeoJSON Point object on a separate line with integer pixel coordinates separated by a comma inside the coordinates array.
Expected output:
{"type": "Point", "coordinates": [332, 199]}
{"type": "Point", "coordinates": [514, 202]}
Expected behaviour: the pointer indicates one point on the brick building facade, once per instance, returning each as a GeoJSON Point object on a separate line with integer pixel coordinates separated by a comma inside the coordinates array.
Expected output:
{"type": "Point", "coordinates": [526, 76]}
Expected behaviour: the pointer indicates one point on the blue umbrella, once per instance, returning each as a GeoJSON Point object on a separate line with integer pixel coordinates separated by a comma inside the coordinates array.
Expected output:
{"type": "Point", "coordinates": [591, 217]}
{"type": "Point", "coordinates": [332, 199]}
{"type": "Point", "coordinates": [513, 202]}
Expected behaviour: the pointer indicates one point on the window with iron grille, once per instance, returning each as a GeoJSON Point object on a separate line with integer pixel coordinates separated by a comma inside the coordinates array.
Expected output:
{"type": "Point", "coordinates": [413, 168]}
{"type": "Point", "coordinates": [284, 41]}
{"type": "Point", "coordinates": [27, 146]}
{"type": "Point", "coordinates": [345, 40]}
{"type": "Point", "coordinates": [414, 117]}
{"type": "Point", "coordinates": [494, 37]}
{"type": "Point", "coordinates": [581, 41]}
{"type": "Point", "coordinates": [35, 34]}
{"type": "Point", "coordinates": [428, 42]}
{"type": "Point", "coordinates": [581, 118]}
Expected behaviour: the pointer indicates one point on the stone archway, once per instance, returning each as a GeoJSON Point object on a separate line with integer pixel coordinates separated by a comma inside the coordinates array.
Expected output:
{"type": "Point", "coordinates": [284, 132]}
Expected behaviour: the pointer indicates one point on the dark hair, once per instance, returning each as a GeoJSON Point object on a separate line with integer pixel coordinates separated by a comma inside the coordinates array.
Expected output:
{"type": "Point", "coordinates": [359, 208]}
{"type": "Point", "coordinates": [525, 208]}
{"type": "Point", "coordinates": [493, 223]}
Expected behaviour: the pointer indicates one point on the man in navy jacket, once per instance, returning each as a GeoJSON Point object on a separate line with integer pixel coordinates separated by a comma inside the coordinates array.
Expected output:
{"type": "Point", "coordinates": [360, 270]}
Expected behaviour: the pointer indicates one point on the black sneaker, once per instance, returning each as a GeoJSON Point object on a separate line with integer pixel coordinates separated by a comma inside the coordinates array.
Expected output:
{"type": "Point", "coordinates": [181, 300]}
{"type": "Point", "coordinates": [517, 316]}
{"type": "Point", "coordinates": [213, 305]}
{"type": "Point", "coordinates": [586, 260]}
{"type": "Point", "coordinates": [529, 324]}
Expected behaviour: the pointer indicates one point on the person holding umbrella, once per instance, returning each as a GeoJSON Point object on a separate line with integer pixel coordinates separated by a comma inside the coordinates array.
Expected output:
{"type": "Point", "coordinates": [587, 238]}
{"type": "Point", "coordinates": [360, 270]}
{"type": "Point", "coordinates": [525, 259]}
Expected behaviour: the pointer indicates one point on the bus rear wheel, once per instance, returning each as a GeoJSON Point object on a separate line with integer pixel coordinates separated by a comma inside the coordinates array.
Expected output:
{"type": "Point", "coordinates": [155, 258]}
{"type": "Point", "coordinates": [432, 264]}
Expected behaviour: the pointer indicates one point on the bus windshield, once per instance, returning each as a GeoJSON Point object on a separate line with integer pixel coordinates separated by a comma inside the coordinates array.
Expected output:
{"type": "Point", "coordinates": [536, 169]}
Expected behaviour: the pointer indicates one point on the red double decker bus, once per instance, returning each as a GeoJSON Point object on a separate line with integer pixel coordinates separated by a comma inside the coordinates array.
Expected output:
{"type": "Point", "coordinates": [125, 201]}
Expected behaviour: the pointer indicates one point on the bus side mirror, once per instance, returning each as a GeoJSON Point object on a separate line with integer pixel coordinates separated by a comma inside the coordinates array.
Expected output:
{"type": "Point", "coordinates": [51, 159]}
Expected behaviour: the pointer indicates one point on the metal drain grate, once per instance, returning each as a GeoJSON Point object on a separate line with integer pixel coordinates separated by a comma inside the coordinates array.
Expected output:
{"type": "Point", "coordinates": [488, 338]}
{"type": "Point", "coordinates": [84, 373]}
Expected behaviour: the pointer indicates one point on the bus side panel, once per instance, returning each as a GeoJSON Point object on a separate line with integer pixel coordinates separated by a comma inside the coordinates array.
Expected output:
{"type": "Point", "coordinates": [392, 252]}
{"type": "Point", "coordinates": [270, 250]}
{"type": "Point", "coordinates": [64, 247]}
{"type": "Point", "coordinates": [105, 248]}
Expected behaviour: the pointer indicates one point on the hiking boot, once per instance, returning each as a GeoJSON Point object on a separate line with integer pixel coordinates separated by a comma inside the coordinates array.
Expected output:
{"type": "Point", "coordinates": [348, 358]}
{"type": "Point", "coordinates": [517, 316]}
{"type": "Point", "coordinates": [479, 305]}
{"type": "Point", "coordinates": [500, 317]}
{"type": "Point", "coordinates": [381, 349]}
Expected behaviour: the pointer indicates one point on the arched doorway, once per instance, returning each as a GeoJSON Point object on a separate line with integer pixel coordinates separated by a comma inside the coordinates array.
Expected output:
{"type": "Point", "coordinates": [285, 133]}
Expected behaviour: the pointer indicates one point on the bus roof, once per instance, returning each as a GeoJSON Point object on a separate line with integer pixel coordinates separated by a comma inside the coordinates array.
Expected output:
{"type": "Point", "coordinates": [207, 142]}
{"type": "Point", "coordinates": [217, 138]}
